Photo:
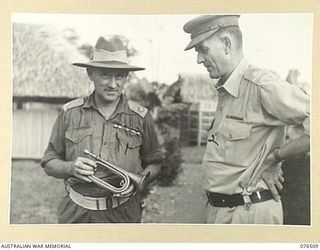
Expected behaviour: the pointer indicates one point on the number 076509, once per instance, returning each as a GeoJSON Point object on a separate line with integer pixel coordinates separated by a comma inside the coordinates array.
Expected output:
{"type": "Point", "coordinates": [309, 246]}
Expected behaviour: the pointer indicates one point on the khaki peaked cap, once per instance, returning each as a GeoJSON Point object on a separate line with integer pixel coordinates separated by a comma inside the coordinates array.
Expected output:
{"type": "Point", "coordinates": [203, 27]}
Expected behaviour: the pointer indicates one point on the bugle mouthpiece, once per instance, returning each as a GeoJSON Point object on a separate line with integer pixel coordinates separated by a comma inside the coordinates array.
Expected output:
{"type": "Point", "coordinates": [87, 152]}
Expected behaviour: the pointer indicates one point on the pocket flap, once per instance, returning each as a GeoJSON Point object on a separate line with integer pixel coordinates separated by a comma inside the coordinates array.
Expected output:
{"type": "Point", "coordinates": [234, 130]}
{"type": "Point", "coordinates": [76, 135]}
{"type": "Point", "coordinates": [132, 141]}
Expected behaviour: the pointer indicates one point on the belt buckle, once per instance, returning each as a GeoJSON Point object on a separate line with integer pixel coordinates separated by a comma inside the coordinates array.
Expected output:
{"type": "Point", "coordinates": [104, 204]}
{"type": "Point", "coordinates": [247, 201]}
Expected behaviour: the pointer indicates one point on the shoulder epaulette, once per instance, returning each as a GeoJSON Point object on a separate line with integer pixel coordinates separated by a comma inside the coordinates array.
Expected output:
{"type": "Point", "coordinates": [256, 75]}
{"type": "Point", "coordinates": [137, 108]}
{"type": "Point", "coordinates": [72, 104]}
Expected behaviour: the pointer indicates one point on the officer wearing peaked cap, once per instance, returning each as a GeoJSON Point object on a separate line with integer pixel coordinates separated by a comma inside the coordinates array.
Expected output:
{"type": "Point", "coordinates": [112, 127]}
{"type": "Point", "coordinates": [203, 27]}
{"type": "Point", "coordinates": [246, 142]}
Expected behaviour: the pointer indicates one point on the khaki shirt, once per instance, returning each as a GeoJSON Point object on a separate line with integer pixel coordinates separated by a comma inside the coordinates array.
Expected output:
{"type": "Point", "coordinates": [254, 107]}
{"type": "Point", "coordinates": [127, 139]}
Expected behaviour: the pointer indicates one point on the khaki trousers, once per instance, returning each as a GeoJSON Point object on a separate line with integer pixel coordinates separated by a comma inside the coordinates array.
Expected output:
{"type": "Point", "coordinates": [267, 212]}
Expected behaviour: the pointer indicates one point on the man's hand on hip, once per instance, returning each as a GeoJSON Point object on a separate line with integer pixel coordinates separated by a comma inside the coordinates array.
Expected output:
{"type": "Point", "coordinates": [273, 177]}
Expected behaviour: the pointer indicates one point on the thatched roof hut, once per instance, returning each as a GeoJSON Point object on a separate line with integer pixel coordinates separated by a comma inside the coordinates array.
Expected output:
{"type": "Point", "coordinates": [193, 88]}
{"type": "Point", "coordinates": [42, 65]}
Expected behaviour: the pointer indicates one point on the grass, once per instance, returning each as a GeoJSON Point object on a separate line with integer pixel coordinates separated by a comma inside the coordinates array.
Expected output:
{"type": "Point", "coordinates": [34, 195]}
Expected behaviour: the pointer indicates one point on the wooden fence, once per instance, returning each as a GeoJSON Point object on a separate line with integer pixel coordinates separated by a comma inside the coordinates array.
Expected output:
{"type": "Point", "coordinates": [30, 132]}
{"type": "Point", "coordinates": [196, 122]}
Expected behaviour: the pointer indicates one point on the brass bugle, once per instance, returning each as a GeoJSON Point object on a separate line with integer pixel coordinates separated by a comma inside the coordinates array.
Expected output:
{"type": "Point", "coordinates": [138, 180]}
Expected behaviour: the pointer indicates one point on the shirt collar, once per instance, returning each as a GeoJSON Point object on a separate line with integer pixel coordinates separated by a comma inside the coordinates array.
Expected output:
{"type": "Point", "coordinates": [122, 106]}
{"type": "Point", "coordinates": [232, 84]}
{"type": "Point", "coordinates": [90, 102]}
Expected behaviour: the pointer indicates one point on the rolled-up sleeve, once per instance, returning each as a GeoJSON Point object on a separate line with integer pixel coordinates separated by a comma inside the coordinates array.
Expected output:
{"type": "Point", "coordinates": [150, 148]}
{"type": "Point", "coordinates": [56, 146]}
{"type": "Point", "coordinates": [285, 101]}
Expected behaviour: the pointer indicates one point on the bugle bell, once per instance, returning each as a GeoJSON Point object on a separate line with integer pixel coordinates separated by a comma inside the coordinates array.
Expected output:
{"type": "Point", "coordinates": [138, 180]}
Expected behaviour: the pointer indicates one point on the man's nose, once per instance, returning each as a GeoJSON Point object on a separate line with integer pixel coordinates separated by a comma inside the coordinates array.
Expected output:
{"type": "Point", "coordinates": [112, 82]}
{"type": "Point", "coordinates": [200, 58]}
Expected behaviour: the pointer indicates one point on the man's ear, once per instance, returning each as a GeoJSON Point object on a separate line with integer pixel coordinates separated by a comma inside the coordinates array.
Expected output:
{"type": "Point", "coordinates": [89, 72]}
{"type": "Point", "coordinates": [227, 42]}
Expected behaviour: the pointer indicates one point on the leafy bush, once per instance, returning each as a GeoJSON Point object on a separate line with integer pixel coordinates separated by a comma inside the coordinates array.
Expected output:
{"type": "Point", "coordinates": [171, 166]}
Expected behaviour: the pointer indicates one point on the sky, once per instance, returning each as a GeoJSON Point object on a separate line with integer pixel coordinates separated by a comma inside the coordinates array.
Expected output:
{"type": "Point", "coordinates": [275, 41]}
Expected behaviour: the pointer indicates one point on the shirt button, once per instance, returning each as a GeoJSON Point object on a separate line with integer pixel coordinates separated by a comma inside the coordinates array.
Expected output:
{"type": "Point", "coordinates": [220, 108]}
{"type": "Point", "coordinates": [105, 143]}
{"type": "Point", "coordinates": [230, 136]}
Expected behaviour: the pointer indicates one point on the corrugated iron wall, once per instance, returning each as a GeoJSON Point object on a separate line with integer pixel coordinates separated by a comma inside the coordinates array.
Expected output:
{"type": "Point", "coordinates": [30, 132]}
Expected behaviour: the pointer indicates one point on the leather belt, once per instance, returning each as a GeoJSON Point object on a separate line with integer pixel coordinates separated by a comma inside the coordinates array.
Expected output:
{"type": "Point", "coordinates": [234, 200]}
{"type": "Point", "coordinates": [92, 203]}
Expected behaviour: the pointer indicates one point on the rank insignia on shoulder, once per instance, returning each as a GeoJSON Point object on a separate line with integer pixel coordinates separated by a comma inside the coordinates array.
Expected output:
{"type": "Point", "coordinates": [72, 104]}
{"type": "Point", "coordinates": [137, 108]}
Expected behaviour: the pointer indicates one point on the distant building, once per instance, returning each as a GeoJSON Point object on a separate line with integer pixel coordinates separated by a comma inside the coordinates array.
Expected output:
{"type": "Point", "coordinates": [195, 88]}
{"type": "Point", "coordinates": [43, 80]}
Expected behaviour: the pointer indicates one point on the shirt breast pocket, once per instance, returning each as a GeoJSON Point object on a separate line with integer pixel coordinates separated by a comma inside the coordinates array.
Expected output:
{"type": "Point", "coordinates": [77, 140]}
{"type": "Point", "coordinates": [237, 140]}
{"type": "Point", "coordinates": [128, 153]}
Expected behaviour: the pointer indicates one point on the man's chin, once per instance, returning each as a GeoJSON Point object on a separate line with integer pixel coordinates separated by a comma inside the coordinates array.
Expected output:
{"type": "Point", "coordinates": [213, 75]}
{"type": "Point", "coordinates": [110, 99]}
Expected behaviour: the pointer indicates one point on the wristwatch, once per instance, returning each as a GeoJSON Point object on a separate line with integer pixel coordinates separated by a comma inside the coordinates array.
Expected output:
{"type": "Point", "coordinates": [276, 155]}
